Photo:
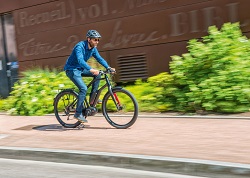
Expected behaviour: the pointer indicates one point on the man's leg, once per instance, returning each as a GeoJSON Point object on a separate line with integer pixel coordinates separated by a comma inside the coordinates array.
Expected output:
{"type": "Point", "coordinates": [95, 85]}
{"type": "Point", "coordinates": [76, 78]}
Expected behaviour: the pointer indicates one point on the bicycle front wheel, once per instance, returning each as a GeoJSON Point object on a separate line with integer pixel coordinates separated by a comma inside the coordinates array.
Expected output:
{"type": "Point", "coordinates": [121, 110]}
{"type": "Point", "coordinates": [64, 108]}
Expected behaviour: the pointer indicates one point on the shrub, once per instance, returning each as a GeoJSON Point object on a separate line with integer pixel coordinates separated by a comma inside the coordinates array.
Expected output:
{"type": "Point", "coordinates": [35, 91]}
{"type": "Point", "coordinates": [214, 75]}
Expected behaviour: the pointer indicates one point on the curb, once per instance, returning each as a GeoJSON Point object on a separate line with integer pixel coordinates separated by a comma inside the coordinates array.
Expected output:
{"type": "Point", "coordinates": [192, 167]}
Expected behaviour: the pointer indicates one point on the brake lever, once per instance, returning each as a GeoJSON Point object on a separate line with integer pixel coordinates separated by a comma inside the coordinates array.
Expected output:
{"type": "Point", "coordinates": [111, 71]}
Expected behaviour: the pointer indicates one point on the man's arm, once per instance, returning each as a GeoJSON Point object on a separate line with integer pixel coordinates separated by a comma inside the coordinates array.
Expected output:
{"type": "Point", "coordinates": [80, 52]}
{"type": "Point", "coordinates": [98, 57]}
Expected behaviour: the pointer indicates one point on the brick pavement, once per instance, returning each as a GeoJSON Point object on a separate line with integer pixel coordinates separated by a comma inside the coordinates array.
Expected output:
{"type": "Point", "coordinates": [209, 139]}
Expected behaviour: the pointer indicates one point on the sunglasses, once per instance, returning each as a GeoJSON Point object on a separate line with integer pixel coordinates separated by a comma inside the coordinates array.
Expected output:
{"type": "Point", "coordinates": [96, 39]}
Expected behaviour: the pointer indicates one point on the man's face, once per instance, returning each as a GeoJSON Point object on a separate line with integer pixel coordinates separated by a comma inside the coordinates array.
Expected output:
{"type": "Point", "coordinates": [93, 42]}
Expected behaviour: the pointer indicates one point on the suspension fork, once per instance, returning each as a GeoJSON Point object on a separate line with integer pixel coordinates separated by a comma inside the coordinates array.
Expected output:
{"type": "Point", "coordinates": [115, 97]}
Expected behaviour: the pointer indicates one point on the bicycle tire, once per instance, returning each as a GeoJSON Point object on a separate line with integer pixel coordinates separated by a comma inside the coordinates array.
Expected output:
{"type": "Point", "coordinates": [64, 108]}
{"type": "Point", "coordinates": [128, 113]}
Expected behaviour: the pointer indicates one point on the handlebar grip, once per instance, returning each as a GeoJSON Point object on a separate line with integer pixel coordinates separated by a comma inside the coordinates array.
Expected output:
{"type": "Point", "coordinates": [110, 70]}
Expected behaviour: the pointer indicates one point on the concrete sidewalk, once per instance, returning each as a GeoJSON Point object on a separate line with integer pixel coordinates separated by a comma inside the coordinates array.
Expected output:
{"type": "Point", "coordinates": [195, 145]}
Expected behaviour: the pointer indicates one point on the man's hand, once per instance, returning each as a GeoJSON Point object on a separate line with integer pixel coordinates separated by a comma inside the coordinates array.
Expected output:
{"type": "Point", "coordinates": [112, 70]}
{"type": "Point", "coordinates": [94, 71]}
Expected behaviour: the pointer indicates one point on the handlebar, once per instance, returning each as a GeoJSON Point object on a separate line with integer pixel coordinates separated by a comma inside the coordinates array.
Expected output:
{"type": "Point", "coordinates": [108, 71]}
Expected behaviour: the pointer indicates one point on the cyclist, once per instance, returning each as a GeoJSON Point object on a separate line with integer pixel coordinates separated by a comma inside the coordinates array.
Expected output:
{"type": "Point", "coordinates": [76, 66]}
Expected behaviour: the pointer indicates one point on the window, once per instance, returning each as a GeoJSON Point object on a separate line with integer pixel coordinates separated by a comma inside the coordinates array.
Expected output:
{"type": "Point", "coordinates": [1, 46]}
{"type": "Point", "coordinates": [8, 54]}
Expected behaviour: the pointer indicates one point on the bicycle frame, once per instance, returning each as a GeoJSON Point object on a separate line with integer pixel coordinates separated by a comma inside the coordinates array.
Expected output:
{"type": "Point", "coordinates": [99, 91]}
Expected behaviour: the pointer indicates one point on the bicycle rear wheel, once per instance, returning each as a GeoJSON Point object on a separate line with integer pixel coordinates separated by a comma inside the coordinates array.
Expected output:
{"type": "Point", "coordinates": [125, 114]}
{"type": "Point", "coordinates": [64, 108]}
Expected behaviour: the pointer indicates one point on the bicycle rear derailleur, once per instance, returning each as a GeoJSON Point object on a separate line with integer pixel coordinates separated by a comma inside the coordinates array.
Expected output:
{"type": "Point", "coordinates": [90, 111]}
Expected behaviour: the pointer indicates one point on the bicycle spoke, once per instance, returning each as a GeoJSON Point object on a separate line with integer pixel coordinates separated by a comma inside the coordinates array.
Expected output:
{"type": "Point", "coordinates": [65, 104]}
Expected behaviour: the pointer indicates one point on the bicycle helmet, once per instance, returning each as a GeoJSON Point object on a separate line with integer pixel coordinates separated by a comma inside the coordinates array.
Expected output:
{"type": "Point", "coordinates": [93, 34]}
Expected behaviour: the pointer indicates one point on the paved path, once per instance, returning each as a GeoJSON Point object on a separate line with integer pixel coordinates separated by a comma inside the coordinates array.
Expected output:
{"type": "Point", "coordinates": [216, 146]}
{"type": "Point", "coordinates": [210, 139]}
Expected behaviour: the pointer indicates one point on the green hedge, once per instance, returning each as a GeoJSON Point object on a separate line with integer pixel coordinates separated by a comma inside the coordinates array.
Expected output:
{"type": "Point", "coordinates": [35, 91]}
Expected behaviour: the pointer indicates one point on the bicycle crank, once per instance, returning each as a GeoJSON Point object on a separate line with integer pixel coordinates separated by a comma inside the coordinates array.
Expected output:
{"type": "Point", "coordinates": [91, 111]}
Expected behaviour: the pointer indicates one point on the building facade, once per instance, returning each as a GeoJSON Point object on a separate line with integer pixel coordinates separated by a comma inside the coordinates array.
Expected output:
{"type": "Point", "coordinates": [139, 36]}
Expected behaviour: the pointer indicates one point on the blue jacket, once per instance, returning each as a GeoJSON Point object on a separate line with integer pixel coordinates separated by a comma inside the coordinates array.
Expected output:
{"type": "Point", "coordinates": [80, 55]}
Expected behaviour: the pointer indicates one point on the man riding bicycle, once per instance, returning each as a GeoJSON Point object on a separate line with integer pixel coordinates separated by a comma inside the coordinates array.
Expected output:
{"type": "Point", "coordinates": [76, 66]}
